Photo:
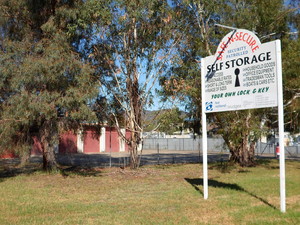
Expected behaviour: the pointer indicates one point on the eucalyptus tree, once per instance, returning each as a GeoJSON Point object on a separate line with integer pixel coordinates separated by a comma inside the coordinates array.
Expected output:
{"type": "Point", "coordinates": [291, 68]}
{"type": "Point", "coordinates": [198, 20]}
{"type": "Point", "coordinates": [130, 53]}
{"type": "Point", "coordinates": [195, 20]}
{"type": "Point", "coordinates": [45, 86]}
{"type": "Point", "coordinates": [242, 129]}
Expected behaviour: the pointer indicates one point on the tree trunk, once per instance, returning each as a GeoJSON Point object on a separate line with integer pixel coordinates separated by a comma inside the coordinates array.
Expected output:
{"type": "Point", "coordinates": [238, 138]}
{"type": "Point", "coordinates": [134, 155]}
{"type": "Point", "coordinates": [136, 107]}
{"type": "Point", "coordinates": [25, 158]}
{"type": "Point", "coordinates": [48, 135]}
{"type": "Point", "coordinates": [49, 159]}
{"type": "Point", "coordinates": [135, 138]}
{"type": "Point", "coordinates": [243, 154]}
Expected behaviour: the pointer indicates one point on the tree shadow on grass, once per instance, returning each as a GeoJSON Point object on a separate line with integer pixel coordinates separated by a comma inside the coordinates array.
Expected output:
{"type": "Point", "coordinates": [10, 169]}
{"type": "Point", "coordinates": [217, 184]}
{"type": "Point", "coordinates": [64, 171]}
{"type": "Point", "coordinates": [79, 171]}
{"type": "Point", "coordinates": [13, 171]}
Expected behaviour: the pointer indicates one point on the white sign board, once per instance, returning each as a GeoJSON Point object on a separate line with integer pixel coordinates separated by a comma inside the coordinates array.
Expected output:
{"type": "Point", "coordinates": [241, 75]}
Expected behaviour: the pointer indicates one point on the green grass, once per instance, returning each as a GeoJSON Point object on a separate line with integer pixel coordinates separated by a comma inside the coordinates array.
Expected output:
{"type": "Point", "coordinates": [152, 195]}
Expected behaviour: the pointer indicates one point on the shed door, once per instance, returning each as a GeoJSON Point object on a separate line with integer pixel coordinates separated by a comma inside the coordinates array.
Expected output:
{"type": "Point", "coordinates": [112, 140]}
{"type": "Point", "coordinates": [91, 143]}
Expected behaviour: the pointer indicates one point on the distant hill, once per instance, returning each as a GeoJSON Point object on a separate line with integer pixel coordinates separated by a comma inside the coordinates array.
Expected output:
{"type": "Point", "coordinates": [151, 115]}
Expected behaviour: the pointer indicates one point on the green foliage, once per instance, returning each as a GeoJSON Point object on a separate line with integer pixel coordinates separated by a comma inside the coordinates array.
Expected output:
{"type": "Point", "coordinates": [170, 121]}
{"type": "Point", "coordinates": [130, 52]}
{"type": "Point", "coordinates": [44, 86]}
{"type": "Point", "coordinates": [129, 45]}
{"type": "Point", "coordinates": [234, 126]}
{"type": "Point", "coordinates": [270, 20]}
{"type": "Point", "coordinates": [54, 53]}
{"type": "Point", "coordinates": [291, 68]}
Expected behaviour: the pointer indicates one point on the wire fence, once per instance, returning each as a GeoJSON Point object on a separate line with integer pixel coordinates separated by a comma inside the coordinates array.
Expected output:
{"type": "Point", "coordinates": [269, 148]}
{"type": "Point", "coordinates": [164, 151]}
{"type": "Point", "coordinates": [215, 145]}
{"type": "Point", "coordinates": [184, 144]}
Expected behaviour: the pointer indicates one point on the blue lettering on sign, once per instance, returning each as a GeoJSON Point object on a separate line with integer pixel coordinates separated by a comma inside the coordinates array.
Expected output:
{"type": "Point", "coordinates": [209, 106]}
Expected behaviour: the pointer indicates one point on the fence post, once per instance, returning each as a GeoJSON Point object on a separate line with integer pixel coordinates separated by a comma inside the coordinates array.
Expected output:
{"type": "Point", "coordinates": [157, 153]}
{"type": "Point", "coordinates": [199, 150]}
{"type": "Point", "coordinates": [167, 143]}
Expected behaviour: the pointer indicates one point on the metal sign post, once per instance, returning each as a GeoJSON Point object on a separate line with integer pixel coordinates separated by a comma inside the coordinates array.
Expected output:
{"type": "Point", "coordinates": [281, 128]}
{"type": "Point", "coordinates": [204, 133]}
